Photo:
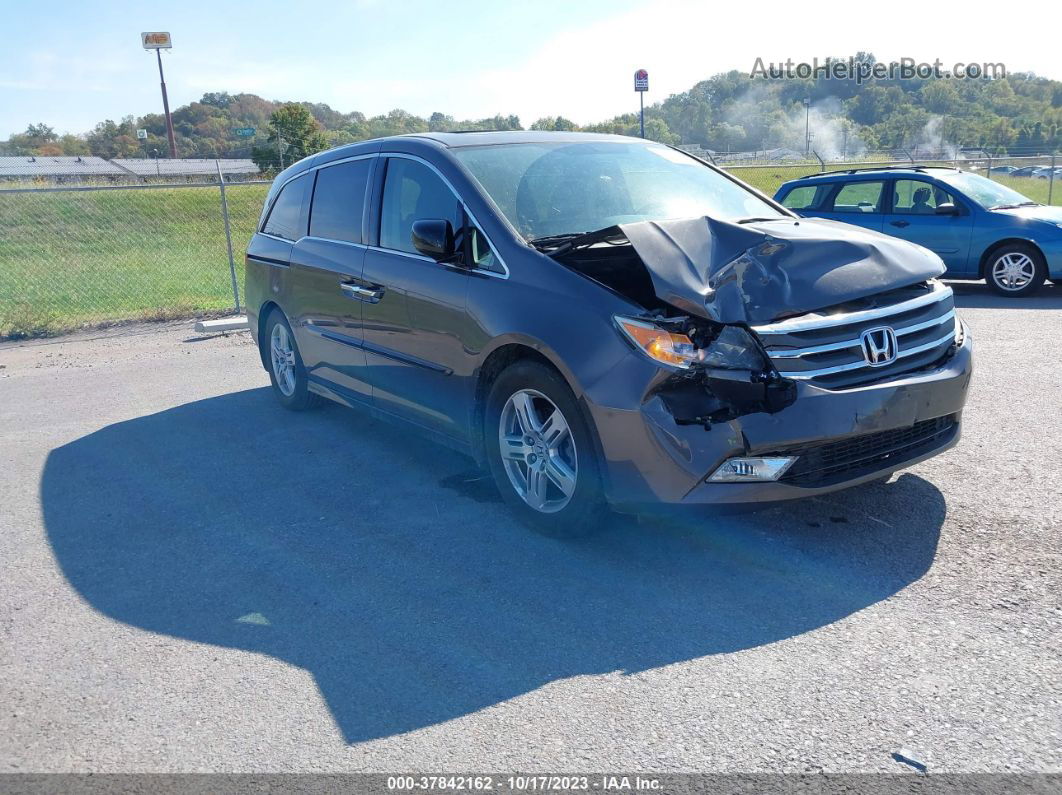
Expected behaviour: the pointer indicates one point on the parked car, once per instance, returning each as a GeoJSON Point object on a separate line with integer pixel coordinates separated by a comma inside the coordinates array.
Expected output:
{"type": "Point", "coordinates": [979, 228]}
{"type": "Point", "coordinates": [602, 321]}
{"type": "Point", "coordinates": [1024, 171]}
{"type": "Point", "coordinates": [1003, 169]}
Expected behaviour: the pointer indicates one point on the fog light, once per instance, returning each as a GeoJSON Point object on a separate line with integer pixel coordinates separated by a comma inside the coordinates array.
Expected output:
{"type": "Point", "coordinates": [741, 470]}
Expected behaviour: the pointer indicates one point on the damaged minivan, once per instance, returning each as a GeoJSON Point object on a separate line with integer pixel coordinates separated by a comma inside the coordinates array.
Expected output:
{"type": "Point", "coordinates": [603, 321]}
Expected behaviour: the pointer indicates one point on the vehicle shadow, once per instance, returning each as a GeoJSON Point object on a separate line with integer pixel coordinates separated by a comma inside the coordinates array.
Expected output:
{"type": "Point", "coordinates": [977, 295]}
{"type": "Point", "coordinates": [384, 565]}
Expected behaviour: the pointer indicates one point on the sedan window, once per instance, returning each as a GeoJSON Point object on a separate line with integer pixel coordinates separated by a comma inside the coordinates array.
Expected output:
{"type": "Point", "coordinates": [859, 197]}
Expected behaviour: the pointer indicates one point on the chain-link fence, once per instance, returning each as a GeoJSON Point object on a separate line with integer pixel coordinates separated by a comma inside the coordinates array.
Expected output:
{"type": "Point", "coordinates": [91, 255]}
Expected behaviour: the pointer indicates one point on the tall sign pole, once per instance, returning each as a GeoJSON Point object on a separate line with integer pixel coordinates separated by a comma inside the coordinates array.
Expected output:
{"type": "Point", "coordinates": [641, 85]}
{"type": "Point", "coordinates": [158, 42]}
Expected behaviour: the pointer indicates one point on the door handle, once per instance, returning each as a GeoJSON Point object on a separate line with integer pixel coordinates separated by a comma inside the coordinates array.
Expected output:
{"type": "Point", "coordinates": [900, 224]}
{"type": "Point", "coordinates": [370, 295]}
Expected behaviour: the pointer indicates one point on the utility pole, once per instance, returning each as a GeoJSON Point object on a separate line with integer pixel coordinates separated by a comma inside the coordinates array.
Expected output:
{"type": "Point", "coordinates": [807, 126]}
{"type": "Point", "coordinates": [158, 42]}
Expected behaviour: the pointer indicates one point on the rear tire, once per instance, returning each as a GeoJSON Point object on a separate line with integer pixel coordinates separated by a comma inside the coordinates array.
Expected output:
{"type": "Point", "coordinates": [541, 452]}
{"type": "Point", "coordinates": [1015, 270]}
{"type": "Point", "coordinates": [286, 371]}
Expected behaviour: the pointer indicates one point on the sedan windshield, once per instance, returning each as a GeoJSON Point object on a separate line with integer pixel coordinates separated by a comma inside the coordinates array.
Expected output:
{"type": "Point", "coordinates": [555, 190]}
{"type": "Point", "coordinates": [990, 195]}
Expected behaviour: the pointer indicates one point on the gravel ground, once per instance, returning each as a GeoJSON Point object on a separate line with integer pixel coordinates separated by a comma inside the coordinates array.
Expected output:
{"type": "Point", "coordinates": [195, 579]}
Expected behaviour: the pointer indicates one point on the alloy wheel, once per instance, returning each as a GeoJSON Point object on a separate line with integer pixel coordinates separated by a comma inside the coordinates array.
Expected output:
{"type": "Point", "coordinates": [538, 451]}
{"type": "Point", "coordinates": [1013, 271]}
{"type": "Point", "coordinates": [282, 355]}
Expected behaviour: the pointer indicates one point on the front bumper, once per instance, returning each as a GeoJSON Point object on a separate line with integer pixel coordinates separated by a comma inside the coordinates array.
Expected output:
{"type": "Point", "coordinates": [650, 458]}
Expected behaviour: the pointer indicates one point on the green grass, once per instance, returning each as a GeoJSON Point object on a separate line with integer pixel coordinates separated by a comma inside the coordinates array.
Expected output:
{"type": "Point", "coordinates": [80, 258]}
{"type": "Point", "coordinates": [72, 259]}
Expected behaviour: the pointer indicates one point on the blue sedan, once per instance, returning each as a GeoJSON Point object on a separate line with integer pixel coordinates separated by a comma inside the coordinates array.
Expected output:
{"type": "Point", "coordinates": [980, 228]}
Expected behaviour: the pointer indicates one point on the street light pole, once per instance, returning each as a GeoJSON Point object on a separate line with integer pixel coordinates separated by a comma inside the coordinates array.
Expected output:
{"type": "Point", "coordinates": [166, 108]}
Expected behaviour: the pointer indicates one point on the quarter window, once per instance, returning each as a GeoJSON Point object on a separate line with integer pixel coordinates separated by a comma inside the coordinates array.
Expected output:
{"type": "Point", "coordinates": [413, 192]}
{"type": "Point", "coordinates": [804, 198]}
{"type": "Point", "coordinates": [858, 197]}
{"type": "Point", "coordinates": [285, 219]}
{"type": "Point", "coordinates": [339, 200]}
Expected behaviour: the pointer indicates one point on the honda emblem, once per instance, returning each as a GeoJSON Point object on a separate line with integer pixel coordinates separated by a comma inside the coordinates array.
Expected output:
{"type": "Point", "coordinates": [879, 346]}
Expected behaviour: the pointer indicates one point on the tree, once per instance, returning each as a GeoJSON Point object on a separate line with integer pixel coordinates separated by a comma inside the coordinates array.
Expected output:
{"type": "Point", "coordinates": [293, 135]}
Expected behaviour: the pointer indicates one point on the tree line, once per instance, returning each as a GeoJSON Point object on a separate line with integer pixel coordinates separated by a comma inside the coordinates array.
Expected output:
{"type": "Point", "coordinates": [727, 112]}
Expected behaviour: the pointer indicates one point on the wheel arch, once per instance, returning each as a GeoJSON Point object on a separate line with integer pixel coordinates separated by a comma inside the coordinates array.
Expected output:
{"type": "Point", "coordinates": [263, 317]}
{"type": "Point", "coordinates": [504, 353]}
{"type": "Point", "coordinates": [986, 255]}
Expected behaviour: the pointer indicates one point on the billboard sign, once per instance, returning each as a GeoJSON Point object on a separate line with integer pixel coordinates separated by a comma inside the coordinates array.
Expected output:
{"type": "Point", "coordinates": [641, 80]}
{"type": "Point", "coordinates": [156, 41]}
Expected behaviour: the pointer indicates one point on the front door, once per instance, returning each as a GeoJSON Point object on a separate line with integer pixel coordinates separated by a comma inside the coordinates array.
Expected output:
{"type": "Point", "coordinates": [413, 331]}
{"type": "Point", "coordinates": [913, 216]}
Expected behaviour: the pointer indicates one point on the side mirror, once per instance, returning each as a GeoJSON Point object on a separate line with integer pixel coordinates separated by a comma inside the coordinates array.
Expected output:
{"type": "Point", "coordinates": [947, 209]}
{"type": "Point", "coordinates": [433, 237]}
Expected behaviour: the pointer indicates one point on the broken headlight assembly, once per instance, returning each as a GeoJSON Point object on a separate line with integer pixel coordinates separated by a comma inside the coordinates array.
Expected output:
{"type": "Point", "coordinates": [720, 372]}
{"type": "Point", "coordinates": [681, 345]}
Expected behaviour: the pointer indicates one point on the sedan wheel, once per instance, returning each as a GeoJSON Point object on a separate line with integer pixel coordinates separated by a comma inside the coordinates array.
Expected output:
{"type": "Point", "coordinates": [538, 451]}
{"type": "Point", "coordinates": [1015, 270]}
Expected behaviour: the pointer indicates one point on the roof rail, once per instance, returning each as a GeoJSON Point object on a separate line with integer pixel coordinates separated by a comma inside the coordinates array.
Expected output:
{"type": "Point", "coordinates": [876, 168]}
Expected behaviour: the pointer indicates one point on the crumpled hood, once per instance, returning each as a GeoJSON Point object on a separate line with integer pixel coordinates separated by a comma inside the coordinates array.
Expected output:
{"type": "Point", "coordinates": [758, 272]}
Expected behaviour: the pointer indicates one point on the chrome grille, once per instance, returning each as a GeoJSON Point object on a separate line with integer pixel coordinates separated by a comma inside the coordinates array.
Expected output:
{"type": "Point", "coordinates": [826, 348]}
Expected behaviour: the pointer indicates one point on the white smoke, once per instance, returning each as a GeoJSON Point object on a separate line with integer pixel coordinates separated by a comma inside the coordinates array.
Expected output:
{"type": "Point", "coordinates": [832, 136]}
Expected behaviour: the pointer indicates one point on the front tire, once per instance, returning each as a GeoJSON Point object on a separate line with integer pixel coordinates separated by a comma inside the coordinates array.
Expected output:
{"type": "Point", "coordinates": [1015, 270]}
{"type": "Point", "coordinates": [541, 453]}
{"type": "Point", "coordinates": [291, 386]}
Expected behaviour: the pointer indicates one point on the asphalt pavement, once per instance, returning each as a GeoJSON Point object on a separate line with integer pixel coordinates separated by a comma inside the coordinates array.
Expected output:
{"type": "Point", "coordinates": [194, 579]}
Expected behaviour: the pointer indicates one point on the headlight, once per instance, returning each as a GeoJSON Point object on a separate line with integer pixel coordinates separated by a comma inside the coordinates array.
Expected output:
{"type": "Point", "coordinates": [734, 348]}
{"type": "Point", "coordinates": [662, 346]}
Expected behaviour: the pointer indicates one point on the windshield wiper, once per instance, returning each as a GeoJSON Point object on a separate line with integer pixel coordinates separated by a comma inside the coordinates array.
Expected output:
{"type": "Point", "coordinates": [562, 244]}
{"type": "Point", "coordinates": [552, 241]}
{"type": "Point", "coordinates": [755, 220]}
{"type": "Point", "coordinates": [1012, 206]}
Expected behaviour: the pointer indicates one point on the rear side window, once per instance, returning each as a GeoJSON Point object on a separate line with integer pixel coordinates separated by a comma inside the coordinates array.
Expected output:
{"type": "Point", "coordinates": [859, 197]}
{"type": "Point", "coordinates": [804, 198]}
{"type": "Point", "coordinates": [285, 219]}
{"type": "Point", "coordinates": [339, 200]}
{"type": "Point", "coordinates": [413, 192]}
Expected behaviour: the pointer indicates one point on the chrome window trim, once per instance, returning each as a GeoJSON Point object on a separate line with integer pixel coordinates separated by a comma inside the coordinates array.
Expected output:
{"type": "Point", "coordinates": [471, 216]}
{"type": "Point", "coordinates": [803, 375]}
{"type": "Point", "coordinates": [812, 321]}
{"type": "Point", "coordinates": [333, 240]}
{"type": "Point", "coordinates": [795, 353]}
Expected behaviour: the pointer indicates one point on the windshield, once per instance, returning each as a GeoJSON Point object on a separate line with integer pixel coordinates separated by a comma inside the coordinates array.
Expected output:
{"type": "Point", "coordinates": [985, 192]}
{"type": "Point", "coordinates": [553, 189]}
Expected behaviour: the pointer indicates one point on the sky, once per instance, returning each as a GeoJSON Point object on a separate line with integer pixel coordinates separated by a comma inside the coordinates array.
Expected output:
{"type": "Point", "coordinates": [73, 63]}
